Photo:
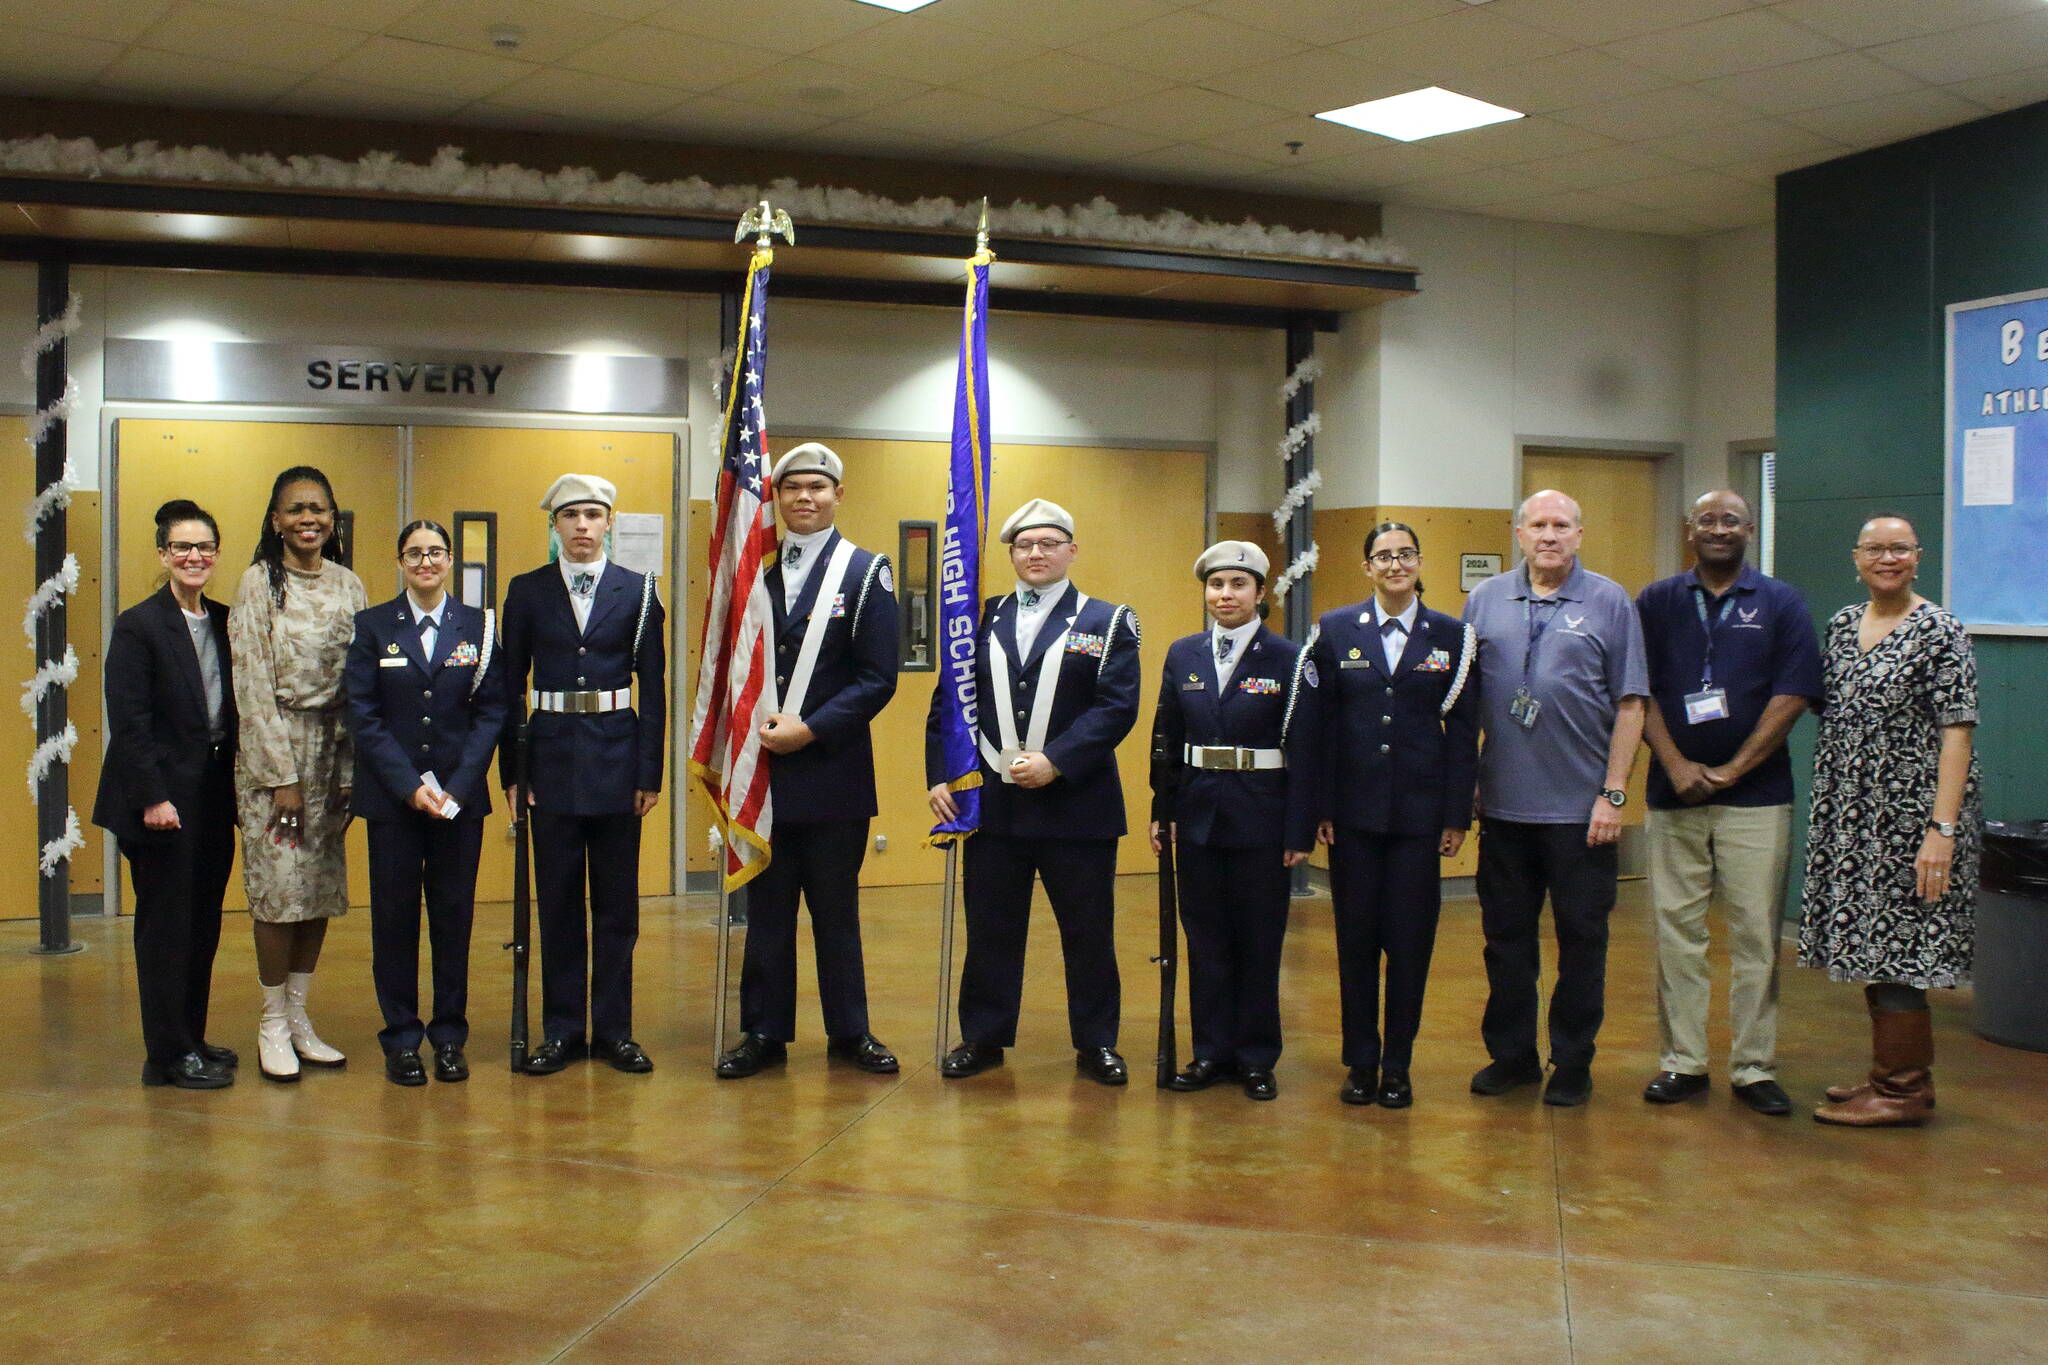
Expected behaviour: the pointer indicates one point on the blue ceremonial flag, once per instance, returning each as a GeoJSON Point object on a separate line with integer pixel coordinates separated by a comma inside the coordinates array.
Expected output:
{"type": "Point", "coordinates": [967, 481]}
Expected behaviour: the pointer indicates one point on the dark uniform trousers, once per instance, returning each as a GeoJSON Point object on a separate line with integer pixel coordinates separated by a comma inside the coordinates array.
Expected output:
{"type": "Point", "coordinates": [439, 858]}
{"type": "Point", "coordinates": [605, 849]}
{"type": "Point", "coordinates": [1519, 863]}
{"type": "Point", "coordinates": [1079, 877]}
{"type": "Point", "coordinates": [1233, 907]}
{"type": "Point", "coordinates": [1386, 892]}
{"type": "Point", "coordinates": [820, 862]}
{"type": "Point", "coordinates": [180, 877]}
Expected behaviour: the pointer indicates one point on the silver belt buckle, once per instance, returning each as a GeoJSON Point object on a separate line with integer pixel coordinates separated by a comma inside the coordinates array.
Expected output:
{"type": "Point", "coordinates": [1220, 756]}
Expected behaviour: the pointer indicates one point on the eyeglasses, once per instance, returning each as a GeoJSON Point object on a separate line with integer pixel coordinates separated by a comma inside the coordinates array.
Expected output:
{"type": "Point", "coordinates": [1037, 547]}
{"type": "Point", "coordinates": [1723, 521]}
{"type": "Point", "coordinates": [412, 559]}
{"type": "Point", "coordinates": [193, 549]}
{"type": "Point", "coordinates": [1387, 559]}
{"type": "Point", "coordinates": [1886, 551]}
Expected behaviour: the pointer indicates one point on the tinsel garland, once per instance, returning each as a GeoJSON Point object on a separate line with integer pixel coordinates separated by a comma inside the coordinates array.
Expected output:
{"type": "Point", "coordinates": [66, 844]}
{"type": "Point", "coordinates": [1302, 493]}
{"type": "Point", "coordinates": [56, 749]}
{"type": "Point", "coordinates": [57, 673]}
{"type": "Point", "coordinates": [48, 594]}
{"type": "Point", "coordinates": [53, 590]}
{"type": "Point", "coordinates": [449, 176]}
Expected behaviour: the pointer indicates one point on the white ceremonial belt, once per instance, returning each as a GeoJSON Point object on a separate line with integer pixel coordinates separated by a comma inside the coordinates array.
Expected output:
{"type": "Point", "coordinates": [582, 703]}
{"type": "Point", "coordinates": [1229, 759]}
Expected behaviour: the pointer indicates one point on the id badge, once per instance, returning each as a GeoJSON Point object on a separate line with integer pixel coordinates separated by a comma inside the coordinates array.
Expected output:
{"type": "Point", "coordinates": [1525, 708]}
{"type": "Point", "coordinates": [1709, 703]}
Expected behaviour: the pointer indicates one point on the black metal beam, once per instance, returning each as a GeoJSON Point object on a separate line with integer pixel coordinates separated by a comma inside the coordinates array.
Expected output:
{"type": "Point", "coordinates": [53, 791]}
{"type": "Point", "coordinates": [1300, 532]}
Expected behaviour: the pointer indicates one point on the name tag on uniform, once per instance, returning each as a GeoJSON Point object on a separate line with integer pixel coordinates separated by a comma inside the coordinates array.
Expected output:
{"type": "Point", "coordinates": [1259, 687]}
{"type": "Point", "coordinates": [399, 662]}
{"type": "Point", "coordinates": [1709, 703]}
{"type": "Point", "coordinates": [1194, 684]}
{"type": "Point", "coordinates": [1353, 663]}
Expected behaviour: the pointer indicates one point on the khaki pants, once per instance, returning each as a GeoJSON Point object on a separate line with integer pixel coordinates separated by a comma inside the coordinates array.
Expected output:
{"type": "Point", "coordinates": [1740, 852]}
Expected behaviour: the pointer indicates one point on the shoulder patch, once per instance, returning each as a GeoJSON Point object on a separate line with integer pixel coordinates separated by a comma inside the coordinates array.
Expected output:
{"type": "Point", "coordinates": [1308, 673]}
{"type": "Point", "coordinates": [885, 578]}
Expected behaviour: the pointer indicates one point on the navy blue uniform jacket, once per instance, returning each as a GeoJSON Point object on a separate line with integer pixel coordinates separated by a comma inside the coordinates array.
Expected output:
{"type": "Point", "coordinates": [585, 764]}
{"type": "Point", "coordinates": [1395, 764]}
{"type": "Point", "coordinates": [158, 742]}
{"type": "Point", "coordinates": [1095, 703]}
{"type": "Point", "coordinates": [411, 714]}
{"type": "Point", "coordinates": [833, 777]}
{"type": "Point", "coordinates": [1271, 703]}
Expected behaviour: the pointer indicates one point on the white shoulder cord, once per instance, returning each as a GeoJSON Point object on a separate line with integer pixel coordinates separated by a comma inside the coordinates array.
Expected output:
{"type": "Point", "coordinates": [1471, 647]}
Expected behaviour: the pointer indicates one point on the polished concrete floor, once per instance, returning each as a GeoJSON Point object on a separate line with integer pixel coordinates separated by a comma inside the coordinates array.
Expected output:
{"type": "Point", "coordinates": [818, 1214]}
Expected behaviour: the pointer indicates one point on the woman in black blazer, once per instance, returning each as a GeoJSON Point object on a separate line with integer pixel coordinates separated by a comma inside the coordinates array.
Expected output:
{"type": "Point", "coordinates": [167, 794]}
{"type": "Point", "coordinates": [426, 708]}
{"type": "Point", "coordinates": [1402, 742]}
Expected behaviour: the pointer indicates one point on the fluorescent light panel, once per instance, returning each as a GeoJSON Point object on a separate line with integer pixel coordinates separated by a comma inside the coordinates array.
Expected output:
{"type": "Point", "coordinates": [900, 6]}
{"type": "Point", "coordinates": [1420, 114]}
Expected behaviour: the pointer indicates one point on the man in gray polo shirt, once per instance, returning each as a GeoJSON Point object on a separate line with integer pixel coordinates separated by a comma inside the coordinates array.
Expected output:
{"type": "Point", "coordinates": [1562, 683]}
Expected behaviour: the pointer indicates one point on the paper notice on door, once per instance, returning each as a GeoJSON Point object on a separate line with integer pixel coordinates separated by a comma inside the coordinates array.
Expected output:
{"type": "Point", "coordinates": [1987, 467]}
{"type": "Point", "coordinates": [636, 542]}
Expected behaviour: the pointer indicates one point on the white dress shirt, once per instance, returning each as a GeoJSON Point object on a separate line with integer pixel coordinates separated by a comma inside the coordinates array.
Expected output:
{"type": "Point", "coordinates": [1241, 640]}
{"type": "Point", "coordinates": [581, 605]}
{"type": "Point", "coordinates": [1394, 643]}
{"type": "Point", "coordinates": [1030, 619]}
{"type": "Point", "coordinates": [810, 548]}
{"type": "Point", "coordinates": [427, 622]}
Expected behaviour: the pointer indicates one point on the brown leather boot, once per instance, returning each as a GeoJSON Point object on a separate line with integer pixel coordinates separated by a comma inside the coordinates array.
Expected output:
{"type": "Point", "coordinates": [1842, 1094]}
{"type": "Point", "coordinates": [1902, 1044]}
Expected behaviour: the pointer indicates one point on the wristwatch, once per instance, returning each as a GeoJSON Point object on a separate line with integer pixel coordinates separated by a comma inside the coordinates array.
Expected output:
{"type": "Point", "coordinates": [1614, 796]}
{"type": "Point", "coordinates": [1946, 829]}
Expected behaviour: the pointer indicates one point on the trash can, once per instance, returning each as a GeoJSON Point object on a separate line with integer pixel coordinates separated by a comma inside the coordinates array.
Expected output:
{"type": "Point", "coordinates": [2012, 935]}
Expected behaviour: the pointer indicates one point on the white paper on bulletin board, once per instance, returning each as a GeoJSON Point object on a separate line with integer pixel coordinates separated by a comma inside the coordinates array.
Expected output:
{"type": "Point", "coordinates": [637, 541]}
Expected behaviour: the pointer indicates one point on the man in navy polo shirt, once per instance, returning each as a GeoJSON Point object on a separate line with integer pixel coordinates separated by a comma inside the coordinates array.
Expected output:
{"type": "Point", "coordinates": [1733, 663]}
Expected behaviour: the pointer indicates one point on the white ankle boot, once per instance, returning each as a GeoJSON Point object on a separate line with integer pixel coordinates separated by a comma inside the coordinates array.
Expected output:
{"type": "Point", "coordinates": [304, 1041]}
{"type": "Point", "coordinates": [274, 1055]}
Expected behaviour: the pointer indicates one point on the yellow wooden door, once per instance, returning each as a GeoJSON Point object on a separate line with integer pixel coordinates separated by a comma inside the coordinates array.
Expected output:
{"type": "Point", "coordinates": [227, 468]}
{"type": "Point", "coordinates": [505, 470]}
{"type": "Point", "coordinates": [1618, 495]}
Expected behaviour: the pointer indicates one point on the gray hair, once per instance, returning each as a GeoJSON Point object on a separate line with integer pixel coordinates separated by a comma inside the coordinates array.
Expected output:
{"type": "Point", "coordinates": [1522, 512]}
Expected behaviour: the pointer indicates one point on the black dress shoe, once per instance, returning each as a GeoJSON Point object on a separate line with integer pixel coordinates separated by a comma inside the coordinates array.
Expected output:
{"type": "Point", "coordinates": [1498, 1077]}
{"type": "Point", "coordinates": [1258, 1083]}
{"type": "Point", "coordinates": [1569, 1086]}
{"type": "Point", "coordinates": [1394, 1091]}
{"type": "Point", "coordinates": [404, 1068]}
{"type": "Point", "coordinates": [970, 1059]}
{"type": "Point", "coordinates": [865, 1052]}
{"type": "Point", "coordinates": [755, 1051]}
{"type": "Point", "coordinates": [622, 1054]}
{"type": "Point", "coordinates": [1360, 1086]}
{"type": "Point", "coordinates": [1101, 1064]}
{"type": "Point", "coordinates": [1669, 1087]}
{"type": "Point", "coordinates": [189, 1071]}
{"type": "Point", "coordinates": [450, 1064]}
{"type": "Point", "coordinates": [1201, 1073]}
{"type": "Point", "coordinates": [553, 1055]}
{"type": "Point", "coordinates": [1766, 1097]}
{"type": "Point", "coordinates": [219, 1056]}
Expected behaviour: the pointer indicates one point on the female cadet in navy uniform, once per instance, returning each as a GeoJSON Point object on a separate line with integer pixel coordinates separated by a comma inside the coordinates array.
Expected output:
{"type": "Point", "coordinates": [1401, 724]}
{"type": "Point", "coordinates": [426, 708]}
{"type": "Point", "coordinates": [1233, 752]}
{"type": "Point", "coordinates": [579, 633]}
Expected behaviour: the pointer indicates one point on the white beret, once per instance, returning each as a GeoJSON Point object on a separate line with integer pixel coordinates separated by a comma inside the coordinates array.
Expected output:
{"type": "Point", "coordinates": [1232, 554]}
{"type": "Point", "coordinates": [1037, 512]}
{"type": "Point", "coordinates": [812, 457]}
{"type": "Point", "coordinates": [573, 488]}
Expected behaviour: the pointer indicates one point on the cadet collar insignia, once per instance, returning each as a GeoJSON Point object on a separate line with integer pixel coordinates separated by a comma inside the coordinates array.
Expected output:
{"type": "Point", "coordinates": [391, 648]}
{"type": "Point", "coordinates": [1354, 651]}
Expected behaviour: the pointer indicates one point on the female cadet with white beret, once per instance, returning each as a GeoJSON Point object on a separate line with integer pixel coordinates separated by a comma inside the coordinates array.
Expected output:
{"type": "Point", "coordinates": [1234, 784]}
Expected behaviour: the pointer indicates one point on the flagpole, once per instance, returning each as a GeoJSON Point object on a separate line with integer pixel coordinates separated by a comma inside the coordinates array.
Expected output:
{"type": "Point", "coordinates": [942, 1032]}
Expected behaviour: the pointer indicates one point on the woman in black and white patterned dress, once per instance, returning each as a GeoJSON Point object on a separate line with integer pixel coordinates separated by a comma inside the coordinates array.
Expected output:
{"type": "Point", "coordinates": [1894, 838]}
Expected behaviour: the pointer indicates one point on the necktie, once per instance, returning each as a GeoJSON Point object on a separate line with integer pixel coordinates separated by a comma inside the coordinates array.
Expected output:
{"type": "Point", "coordinates": [1031, 596]}
{"type": "Point", "coordinates": [1392, 624]}
{"type": "Point", "coordinates": [793, 556]}
{"type": "Point", "coordinates": [427, 626]}
{"type": "Point", "coordinates": [1224, 644]}
{"type": "Point", "coordinates": [584, 585]}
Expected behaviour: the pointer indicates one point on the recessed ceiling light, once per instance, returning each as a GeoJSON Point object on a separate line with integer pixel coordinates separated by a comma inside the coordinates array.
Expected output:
{"type": "Point", "coordinates": [900, 6]}
{"type": "Point", "coordinates": [1420, 114]}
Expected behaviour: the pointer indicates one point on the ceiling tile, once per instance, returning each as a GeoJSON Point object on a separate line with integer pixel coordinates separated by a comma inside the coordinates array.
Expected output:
{"type": "Point", "coordinates": [1031, 23]}
{"type": "Point", "coordinates": [552, 31]}
{"type": "Point", "coordinates": [660, 56]}
{"type": "Point", "coordinates": [1201, 165]}
{"type": "Point", "coordinates": [1560, 81]}
{"type": "Point", "coordinates": [1814, 84]}
{"type": "Point", "coordinates": [854, 137]}
{"type": "Point", "coordinates": [1889, 118]}
{"type": "Point", "coordinates": [1685, 188]}
{"type": "Point", "coordinates": [916, 48]}
{"type": "Point", "coordinates": [964, 116]}
{"type": "Point", "coordinates": [1065, 81]}
{"type": "Point", "coordinates": [1310, 82]}
{"type": "Point", "coordinates": [1604, 21]}
{"type": "Point", "coordinates": [1863, 23]}
{"type": "Point", "coordinates": [1722, 217]}
{"type": "Point", "coordinates": [1657, 114]}
{"type": "Point", "coordinates": [726, 119]}
{"type": "Point", "coordinates": [1525, 139]}
{"type": "Point", "coordinates": [261, 40]}
{"type": "Point", "coordinates": [118, 21]}
{"type": "Point", "coordinates": [178, 79]}
{"type": "Point", "coordinates": [621, 9]}
{"type": "Point", "coordinates": [1572, 206]}
{"type": "Point", "coordinates": [786, 25]}
{"type": "Point", "coordinates": [350, 99]}
{"type": "Point", "coordinates": [1190, 46]}
{"type": "Point", "coordinates": [1387, 163]}
{"type": "Point", "coordinates": [1603, 166]}
{"type": "Point", "coordinates": [1456, 44]}
{"type": "Point", "coordinates": [1318, 140]}
{"type": "Point", "coordinates": [358, 16]}
{"type": "Point", "coordinates": [1188, 112]}
{"type": "Point", "coordinates": [584, 95]}
{"type": "Point", "coordinates": [1472, 189]}
{"type": "Point", "coordinates": [1074, 141]}
{"type": "Point", "coordinates": [1321, 22]}
{"type": "Point", "coordinates": [1663, 222]}
{"type": "Point", "coordinates": [1980, 50]}
{"type": "Point", "coordinates": [424, 68]}
{"type": "Point", "coordinates": [53, 58]}
{"type": "Point", "coordinates": [1744, 142]}
{"type": "Point", "coordinates": [1766, 170]}
{"type": "Point", "coordinates": [2007, 91]}
{"type": "Point", "coordinates": [485, 114]}
{"type": "Point", "coordinates": [1719, 47]}
{"type": "Point", "coordinates": [806, 84]}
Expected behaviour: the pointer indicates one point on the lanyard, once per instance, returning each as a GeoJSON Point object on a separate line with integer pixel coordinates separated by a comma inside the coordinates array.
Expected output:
{"type": "Point", "coordinates": [1536, 632]}
{"type": "Point", "coordinates": [1699, 602]}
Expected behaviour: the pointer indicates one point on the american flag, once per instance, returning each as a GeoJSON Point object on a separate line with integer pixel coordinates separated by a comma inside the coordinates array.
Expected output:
{"type": "Point", "coordinates": [735, 687]}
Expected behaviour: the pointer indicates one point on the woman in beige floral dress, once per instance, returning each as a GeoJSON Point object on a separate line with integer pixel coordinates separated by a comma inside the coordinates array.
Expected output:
{"type": "Point", "coordinates": [289, 632]}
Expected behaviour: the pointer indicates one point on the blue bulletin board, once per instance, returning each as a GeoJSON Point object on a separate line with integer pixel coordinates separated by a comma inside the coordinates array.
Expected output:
{"type": "Point", "coordinates": [1995, 576]}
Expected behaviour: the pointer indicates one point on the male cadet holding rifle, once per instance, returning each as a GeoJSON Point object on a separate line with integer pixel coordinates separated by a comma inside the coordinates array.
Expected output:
{"type": "Point", "coordinates": [585, 629]}
{"type": "Point", "coordinates": [1057, 673]}
{"type": "Point", "coordinates": [835, 669]}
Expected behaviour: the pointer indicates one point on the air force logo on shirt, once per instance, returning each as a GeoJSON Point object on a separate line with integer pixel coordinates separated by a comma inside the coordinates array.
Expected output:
{"type": "Point", "coordinates": [1745, 618]}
